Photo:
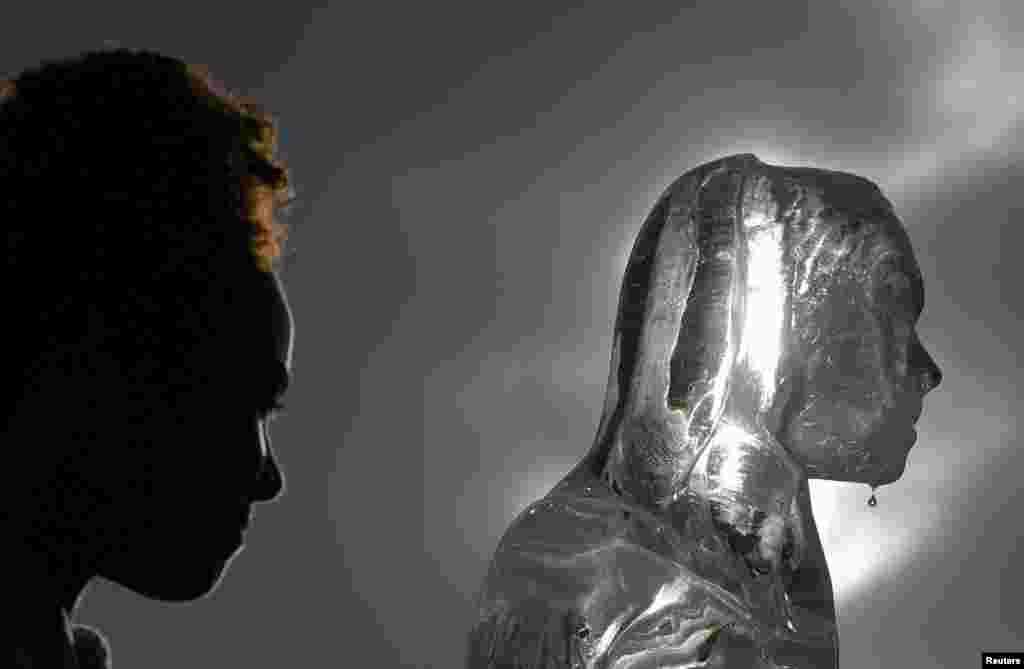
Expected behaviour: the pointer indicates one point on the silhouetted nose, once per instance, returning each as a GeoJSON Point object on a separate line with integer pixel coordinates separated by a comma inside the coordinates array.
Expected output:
{"type": "Point", "coordinates": [270, 483]}
{"type": "Point", "coordinates": [930, 375]}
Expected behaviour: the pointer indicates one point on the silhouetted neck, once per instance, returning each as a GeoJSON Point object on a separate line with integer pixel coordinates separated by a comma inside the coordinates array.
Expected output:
{"type": "Point", "coordinates": [39, 633]}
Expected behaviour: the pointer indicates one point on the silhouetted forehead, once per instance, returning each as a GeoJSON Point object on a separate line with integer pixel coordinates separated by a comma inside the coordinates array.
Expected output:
{"type": "Point", "coordinates": [261, 343]}
{"type": "Point", "coordinates": [273, 368]}
{"type": "Point", "coordinates": [281, 321]}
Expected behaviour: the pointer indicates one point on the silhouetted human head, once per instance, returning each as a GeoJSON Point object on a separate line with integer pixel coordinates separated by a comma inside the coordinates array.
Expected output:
{"type": "Point", "coordinates": [151, 333]}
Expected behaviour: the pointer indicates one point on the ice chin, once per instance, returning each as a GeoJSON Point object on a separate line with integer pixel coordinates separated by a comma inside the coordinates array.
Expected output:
{"type": "Point", "coordinates": [876, 473]}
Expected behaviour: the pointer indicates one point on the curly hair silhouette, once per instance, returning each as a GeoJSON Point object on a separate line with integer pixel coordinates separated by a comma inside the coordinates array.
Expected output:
{"type": "Point", "coordinates": [132, 180]}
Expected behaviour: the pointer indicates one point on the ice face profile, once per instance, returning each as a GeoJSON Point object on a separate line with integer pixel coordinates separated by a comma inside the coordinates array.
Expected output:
{"type": "Point", "coordinates": [765, 335]}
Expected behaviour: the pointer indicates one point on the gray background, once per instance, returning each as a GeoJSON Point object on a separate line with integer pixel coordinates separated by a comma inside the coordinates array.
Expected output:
{"type": "Point", "coordinates": [472, 176]}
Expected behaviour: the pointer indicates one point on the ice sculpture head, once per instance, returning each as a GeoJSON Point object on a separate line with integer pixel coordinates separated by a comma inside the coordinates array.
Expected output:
{"type": "Point", "coordinates": [859, 370]}
{"type": "Point", "coordinates": [767, 314]}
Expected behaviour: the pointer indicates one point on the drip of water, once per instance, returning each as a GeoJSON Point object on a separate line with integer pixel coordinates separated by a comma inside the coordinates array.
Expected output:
{"type": "Point", "coordinates": [872, 501]}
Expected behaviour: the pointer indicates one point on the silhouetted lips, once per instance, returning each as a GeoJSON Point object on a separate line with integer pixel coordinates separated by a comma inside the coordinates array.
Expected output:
{"type": "Point", "coordinates": [244, 517]}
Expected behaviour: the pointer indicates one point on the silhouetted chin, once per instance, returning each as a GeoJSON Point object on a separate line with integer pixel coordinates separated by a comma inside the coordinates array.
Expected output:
{"type": "Point", "coordinates": [177, 577]}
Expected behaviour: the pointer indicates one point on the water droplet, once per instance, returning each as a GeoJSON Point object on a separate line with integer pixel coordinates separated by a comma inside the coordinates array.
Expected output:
{"type": "Point", "coordinates": [872, 501]}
